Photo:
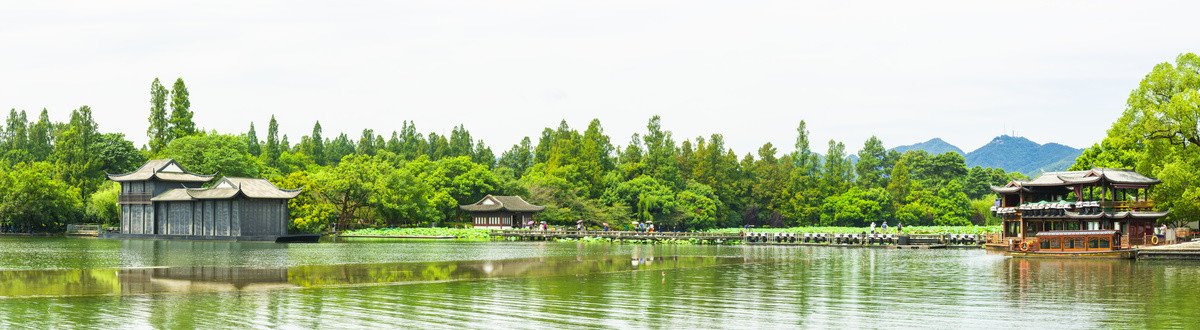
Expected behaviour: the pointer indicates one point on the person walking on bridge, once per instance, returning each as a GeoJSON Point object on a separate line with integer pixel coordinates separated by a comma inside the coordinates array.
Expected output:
{"type": "Point", "coordinates": [872, 227]}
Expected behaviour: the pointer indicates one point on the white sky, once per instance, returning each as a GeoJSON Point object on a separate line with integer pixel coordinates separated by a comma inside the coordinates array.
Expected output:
{"type": "Point", "coordinates": [905, 71]}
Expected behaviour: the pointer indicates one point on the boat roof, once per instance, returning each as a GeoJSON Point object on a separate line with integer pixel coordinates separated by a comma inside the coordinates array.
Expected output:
{"type": "Point", "coordinates": [1077, 233]}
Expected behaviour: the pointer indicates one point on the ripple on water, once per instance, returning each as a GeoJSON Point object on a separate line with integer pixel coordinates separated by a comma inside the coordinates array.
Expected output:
{"type": "Point", "coordinates": [813, 287]}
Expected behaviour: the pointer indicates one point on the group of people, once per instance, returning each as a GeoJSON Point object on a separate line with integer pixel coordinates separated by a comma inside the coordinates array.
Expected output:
{"type": "Point", "coordinates": [642, 227]}
{"type": "Point", "coordinates": [884, 229]}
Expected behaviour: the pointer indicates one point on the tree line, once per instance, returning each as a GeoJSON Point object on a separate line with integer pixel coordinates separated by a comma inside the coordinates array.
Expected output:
{"type": "Point", "coordinates": [410, 178]}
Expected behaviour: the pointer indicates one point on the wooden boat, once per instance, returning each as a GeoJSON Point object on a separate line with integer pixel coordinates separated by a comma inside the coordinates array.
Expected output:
{"type": "Point", "coordinates": [1118, 254]}
{"type": "Point", "coordinates": [1073, 244]}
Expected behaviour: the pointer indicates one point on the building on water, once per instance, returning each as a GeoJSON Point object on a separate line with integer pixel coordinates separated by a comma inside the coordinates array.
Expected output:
{"type": "Point", "coordinates": [161, 200]}
{"type": "Point", "coordinates": [502, 212]}
{"type": "Point", "coordinates": [1097, 199]}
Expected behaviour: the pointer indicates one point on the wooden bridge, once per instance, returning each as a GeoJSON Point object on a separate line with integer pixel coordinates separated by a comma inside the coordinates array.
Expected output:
{"type": "Point", "coordinates": [612, 234]}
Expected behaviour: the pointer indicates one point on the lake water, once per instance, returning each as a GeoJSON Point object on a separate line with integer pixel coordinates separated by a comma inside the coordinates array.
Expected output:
{"type": "Point", "coordinates": [75, 282]}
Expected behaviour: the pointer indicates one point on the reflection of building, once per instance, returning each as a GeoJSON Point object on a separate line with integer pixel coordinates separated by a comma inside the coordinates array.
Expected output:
{"type": "Point", "coordinates": [202, 279]}
{"type": "Point", "coordinates": [162, 200]}
{"type": "Point", "coordinates": [1098, 199]}
{"type": "Point", "coordinates": [501, 211]}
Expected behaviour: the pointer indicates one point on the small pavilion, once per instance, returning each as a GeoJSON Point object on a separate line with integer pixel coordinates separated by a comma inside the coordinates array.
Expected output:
{"type": "Point", "coordinates": [501, 212]}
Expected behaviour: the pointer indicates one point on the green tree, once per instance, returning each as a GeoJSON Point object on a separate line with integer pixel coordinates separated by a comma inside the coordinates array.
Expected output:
{"type": "Point", "coordinates": [855, 208]}
{"type": "Point", "coordinates": [102, 205]}
{"type": "Point", "coordinates": [271, 150]}
{"type": "Point", "coordinates": [366, 142]}
{"type": "Point", "coordinates": [41, 138]}
{"type": "Point", "coordinates": [839, 173]}
{"type": "Point", "coordinates": [116, 154]}
{"type": "Point", "coordinates": [519, 158]}
{"type": "Point", "coordinates": [32, 200]}
{"type": "Point", "coordinates": [224, 155]}
{"type": "Point", "coordinates": [75, 153]}
{"type": "Point", "coordinates": [338, 148]}
{"type": "Point", "coordinates": [873, 166]}
{"type": "Point", "coordinates": [1158, 134]}
{"type": "Point", "coordinates": [159, 130]}
{"type": "Point", "coordinates": [698, 208]}
{"type": "Point", "coordinates": [317, 153]}
{"type": "Point", "coordinates": [252, 145]}
{"type": "Point", "coordinates": [181, 114]}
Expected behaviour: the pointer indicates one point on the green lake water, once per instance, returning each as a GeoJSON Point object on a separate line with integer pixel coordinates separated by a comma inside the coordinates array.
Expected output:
{"type": "Point", "coordinates": [77, 282]}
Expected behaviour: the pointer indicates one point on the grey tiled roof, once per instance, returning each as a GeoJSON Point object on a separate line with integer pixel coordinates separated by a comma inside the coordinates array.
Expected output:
{"type": "Point", "coordinates": [491, 203]}
{"type": "Point", "coordinates": [154, 168]}
{"type": "Point", "coordinates": [261, 188]}
{"type": "Point", "coordinates": [228, 188]}
{"type": "Point", "coordinates": [1067, 178]}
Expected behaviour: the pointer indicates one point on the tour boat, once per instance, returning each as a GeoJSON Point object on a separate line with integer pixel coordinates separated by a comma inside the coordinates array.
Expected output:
{"type": "Point", "coordinates": [1073, 244]}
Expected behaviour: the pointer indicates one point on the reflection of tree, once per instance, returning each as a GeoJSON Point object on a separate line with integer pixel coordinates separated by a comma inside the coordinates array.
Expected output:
{"type": "Point", "coordinates": [58, 282]}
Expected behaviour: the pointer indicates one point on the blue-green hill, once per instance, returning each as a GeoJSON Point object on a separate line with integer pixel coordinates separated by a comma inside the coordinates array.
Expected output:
{"type": "Point", "coordinates": [935, 146]}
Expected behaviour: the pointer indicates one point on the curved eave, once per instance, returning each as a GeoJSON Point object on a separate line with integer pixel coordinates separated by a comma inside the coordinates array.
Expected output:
{"type": "Point", "coordinates": [1005, 190]}
{"type": "Point", "coordinates": [284, 194]}
{"type": "Point", "coordinates": [1148, 215]}
{"type": "Point", "coordinates": [1154, 182]}
{"type": "Point", "coordinates": [1076, 215]}
{"type": "Point", "coordinates": [495, 208]}
{"type": "Point", "coordinates": [1093, 179]}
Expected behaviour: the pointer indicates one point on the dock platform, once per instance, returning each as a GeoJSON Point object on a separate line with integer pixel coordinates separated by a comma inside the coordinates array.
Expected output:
{"type": "Point", "coordinates": [1181, 251]}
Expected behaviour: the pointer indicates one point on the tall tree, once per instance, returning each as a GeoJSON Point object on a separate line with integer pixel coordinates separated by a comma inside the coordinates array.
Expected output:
{"type": "Point", "coordinates": [159, 130]}
{"type": "Point", "coordinates": [41, 138]}
{"type": "Point", "coordinates": [252, 144]}
{"type": "Point", "coordinates": [838, 174]}
{"type": "Point", "coordinates": [16, 135]}
{"type": "Point", "coordinates": [318, 145]}
{"type": "Point", "coordinates": [75, 154]}
{"type": "Point", "coordinates": [873, 166]}
{"type": "Point", "coordinates": [366, 142]}
{"type": "Point", "coordinates": [519, 158]}
{"type": "Point", "coordinates": [460, 142]}
{"type": "Point", "coordinates": [181, 113]}
{"type": "Point", "coordinates": [271, 152]}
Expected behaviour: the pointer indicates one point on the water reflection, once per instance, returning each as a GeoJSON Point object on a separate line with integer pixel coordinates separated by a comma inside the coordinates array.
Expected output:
{"type": "Point", "coordinates": [130, 281]}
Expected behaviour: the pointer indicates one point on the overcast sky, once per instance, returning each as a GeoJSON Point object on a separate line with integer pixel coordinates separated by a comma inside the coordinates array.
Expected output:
{"type": "Point", "coordinates": [904, 71]}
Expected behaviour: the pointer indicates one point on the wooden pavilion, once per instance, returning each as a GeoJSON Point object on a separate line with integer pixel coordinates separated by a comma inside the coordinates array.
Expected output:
{"type": "Point", "coordinates": [1096, 199]}
{"type": "Point", "coordinates": [161, 200]}
{"type": "Point", "coordinates": [501, 212]}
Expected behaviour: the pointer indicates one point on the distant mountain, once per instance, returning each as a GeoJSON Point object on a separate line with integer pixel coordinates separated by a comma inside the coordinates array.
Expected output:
{"type": "Point", "coordinates": [1018, 154]}
{"type": "Point", "coordinates": [935, 146]}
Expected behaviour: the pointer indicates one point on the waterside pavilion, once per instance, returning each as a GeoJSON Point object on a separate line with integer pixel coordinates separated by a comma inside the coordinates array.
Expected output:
{"type": "Point", "coordinates": [501, 212]}
{"type": "Point", "coordinates": [1096, 199]}
{"type": "Point", "coordinates": [161, 200]}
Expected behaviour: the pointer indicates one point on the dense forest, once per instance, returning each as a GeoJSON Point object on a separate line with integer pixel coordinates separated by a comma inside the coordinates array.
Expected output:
{"type": "Point", "coordinates": [53, 174]}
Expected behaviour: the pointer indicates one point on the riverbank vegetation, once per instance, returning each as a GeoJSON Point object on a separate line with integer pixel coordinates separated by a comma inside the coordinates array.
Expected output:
{"type": "Point", "coordinates": [52, 173]}
{"type": "Point", "coordinates": [1158, 136]}
{"type": "Point", "coordinates": [414, 179]}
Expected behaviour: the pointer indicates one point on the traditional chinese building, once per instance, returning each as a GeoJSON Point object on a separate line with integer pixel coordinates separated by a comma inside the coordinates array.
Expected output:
{"type": "Point", "coordinates": [161, 200]}
{"type": "Point", "coordinates": [501, 212]}
{"type": "Point", "coordinates": [1097, 199]}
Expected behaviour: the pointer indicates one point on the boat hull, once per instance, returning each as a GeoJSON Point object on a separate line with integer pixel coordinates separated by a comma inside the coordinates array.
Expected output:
{"type": "Point", "coordinates": [1119, 254]}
